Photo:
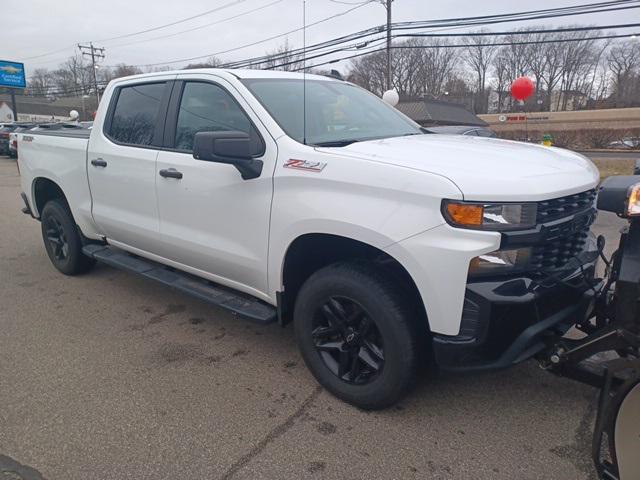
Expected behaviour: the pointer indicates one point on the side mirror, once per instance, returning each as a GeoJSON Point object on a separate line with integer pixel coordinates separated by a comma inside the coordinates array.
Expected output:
{"type": "Point", "coordinates": [229, 147]}
{"type": "Point", "coordinates": [636, 170]}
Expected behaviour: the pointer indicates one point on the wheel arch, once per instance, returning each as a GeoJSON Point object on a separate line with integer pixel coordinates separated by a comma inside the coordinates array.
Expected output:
{"type": "Point", "coordinates": [44, 189]}
{"type": "Point", "coordinates": [310, 252]}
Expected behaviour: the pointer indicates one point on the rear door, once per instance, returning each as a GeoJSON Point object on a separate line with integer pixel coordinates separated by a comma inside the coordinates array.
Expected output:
{"type": "Point", "coordinates": [122, 163]}
{"type": "Point", "coordinates": [211, 219]}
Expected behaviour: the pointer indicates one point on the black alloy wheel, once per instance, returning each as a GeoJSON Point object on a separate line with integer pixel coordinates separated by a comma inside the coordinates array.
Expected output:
{"type": "Point", "coordinates": [57, 239]}
{"type": "Point", "coordinates": [63, 240]}
{"type": "Point", "coordinates": [359, 334]}
{"type": "Point", "coordinates": [348, 341]}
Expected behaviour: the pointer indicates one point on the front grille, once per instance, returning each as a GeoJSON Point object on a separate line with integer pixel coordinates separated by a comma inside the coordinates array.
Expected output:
{"type": "Point", "coordinates": [556, 253]}
{"type": "Point", "coordinates": [563, 240]}
{"type": "Point", "coordinates": [549, 210]}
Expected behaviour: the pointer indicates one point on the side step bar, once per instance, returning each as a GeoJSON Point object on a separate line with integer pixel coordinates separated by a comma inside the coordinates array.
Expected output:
{"type": "Point", "coordinates": [239, 303]}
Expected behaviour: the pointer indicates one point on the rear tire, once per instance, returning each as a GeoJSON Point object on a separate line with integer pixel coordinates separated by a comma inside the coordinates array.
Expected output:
{"type": "Point", "coordinates": [357, 334]}
{"type": "Point", "coordinates": [62, 239]}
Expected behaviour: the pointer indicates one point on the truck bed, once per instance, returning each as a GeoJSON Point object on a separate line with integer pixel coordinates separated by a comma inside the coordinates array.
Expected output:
{"type": "Point", "coordinates": [58, 156]}
{"type": "Point", "coordinates": [62, 132]}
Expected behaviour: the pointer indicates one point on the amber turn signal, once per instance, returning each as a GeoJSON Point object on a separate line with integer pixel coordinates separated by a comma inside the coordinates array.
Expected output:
{"type": "Point", "coordinates": [465, 214]}
{"type": "Point", "coordinates": [633, 207]}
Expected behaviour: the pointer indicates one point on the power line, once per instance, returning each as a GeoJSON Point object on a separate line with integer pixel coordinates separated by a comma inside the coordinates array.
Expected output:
{"type": "Point", "coordinates": [65, 49]}
{"type": "Point", "coordinates": [340, 40]}
{"type": "Point", "coordinates": [217, 9]}
{"type": "Point", "coordinates": [463, 22]}
{"type": "Point", "coordinates": [500, 44]}
{"type": "Point", "coordinates": [532, 14]}
{"type": "Point", "coordinates": [200, 27]}
{"type": "Point", "coordinates": [519, 32]}
{"type": "Point", "coordinates": [159, 27]}
{"type": "Point", "coordinates": [455, 23]}
{"type": "Point", "coordinates": [257, 42]}
{"type": "Point", "coordinates": [468, 21]}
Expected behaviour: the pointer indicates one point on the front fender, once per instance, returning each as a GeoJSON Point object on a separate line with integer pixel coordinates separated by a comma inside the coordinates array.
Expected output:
{"type": "Point", "coordinates": [370, 202]}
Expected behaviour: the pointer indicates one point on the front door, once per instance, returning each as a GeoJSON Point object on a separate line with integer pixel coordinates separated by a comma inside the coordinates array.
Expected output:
{"type": "Point", "coordinates": [210, 218]}
{"type": "Point", "coordinates": [122, 164]}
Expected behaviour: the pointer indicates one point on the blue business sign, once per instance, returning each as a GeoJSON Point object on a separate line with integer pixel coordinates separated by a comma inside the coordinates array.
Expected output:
{"type": "Point", "coordinates": [12, 74]}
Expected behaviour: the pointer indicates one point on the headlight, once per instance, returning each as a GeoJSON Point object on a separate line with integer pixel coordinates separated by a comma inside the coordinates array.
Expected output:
{"type": "Point", "coordinates": [490, 216]}
{"type": "Point", "coordinates": [500, 262]}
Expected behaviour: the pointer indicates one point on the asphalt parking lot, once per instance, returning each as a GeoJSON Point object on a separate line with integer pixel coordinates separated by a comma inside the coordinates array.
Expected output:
{"type": "Point", "coordinates": [110, 376]}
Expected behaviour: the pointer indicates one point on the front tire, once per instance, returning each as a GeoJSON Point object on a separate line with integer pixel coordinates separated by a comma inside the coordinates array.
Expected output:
{"type": "Point", "coordinates": [62, 239]}
{"type": "Point", "coordinates": [357, 334]}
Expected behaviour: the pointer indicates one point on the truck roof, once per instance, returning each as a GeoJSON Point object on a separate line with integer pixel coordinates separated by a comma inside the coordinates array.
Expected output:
{"type": "Point", "coordinates": [238, 73]}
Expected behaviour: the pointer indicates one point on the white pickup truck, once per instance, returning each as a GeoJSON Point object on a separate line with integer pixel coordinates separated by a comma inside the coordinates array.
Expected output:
{"type": "Point", "coordinates": [307, 199]}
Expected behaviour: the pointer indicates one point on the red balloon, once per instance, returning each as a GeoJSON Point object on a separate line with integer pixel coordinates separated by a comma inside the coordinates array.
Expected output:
{"type": "Point", "coordinates": [522, 88]}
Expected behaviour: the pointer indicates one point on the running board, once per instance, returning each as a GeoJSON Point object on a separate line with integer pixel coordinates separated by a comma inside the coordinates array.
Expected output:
{"type": "Point", "coordinates": [239, 303]}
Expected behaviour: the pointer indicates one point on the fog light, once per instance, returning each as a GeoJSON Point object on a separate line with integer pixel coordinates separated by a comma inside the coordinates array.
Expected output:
{"type": "Point", "coordinates": [500, 262]}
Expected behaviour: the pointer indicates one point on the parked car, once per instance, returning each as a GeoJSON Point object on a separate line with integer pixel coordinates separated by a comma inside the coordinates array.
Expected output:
{"type": "Point", "coordinates": [626, 143]}
{"type": "Point", "coordinates": [13, 138]}
{"type": "Point", "coordinates": [463, 130]}
{"type": "Point", "coordinates": [389, 250]}
{"type": "Point", "coordinates": [5, 131]}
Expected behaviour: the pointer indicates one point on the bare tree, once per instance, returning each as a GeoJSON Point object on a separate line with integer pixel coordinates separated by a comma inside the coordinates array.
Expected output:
{"type": "Point", "coordinates": [624, 63]}
{"type": "Point", "coordinates": [437, 66]}
{"type": "Point", "coordinates": [120, 70]}
{"type": "Point", "coordinates": [73, 77]}
{"type": "Point", "coordinates": [516, 57]}
{"type": "Point", "coordinates": [41, 82]}
{"type": "Point", "coordinates": [283, 58]}
{"type": "Point", "coordinates": [369, 72]}
{"type": "Point", "coordinates": [419, 69]}
{"type": "Point", "coordinates": [211, 62]}
{"type": "Point", "coordinates": [500, 80]}
{"type": "Point", "coordinates": [478, 55]}
{"type": "Point", "coordinates": [571, 70]}
{"type": "Point", "coordinates": [578, 57]}
{"type": "Point", "coordinates": [538, 63]}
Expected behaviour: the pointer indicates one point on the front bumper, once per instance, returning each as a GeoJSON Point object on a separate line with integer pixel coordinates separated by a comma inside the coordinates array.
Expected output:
{"type": "Point", "coordinates": [505, 322]}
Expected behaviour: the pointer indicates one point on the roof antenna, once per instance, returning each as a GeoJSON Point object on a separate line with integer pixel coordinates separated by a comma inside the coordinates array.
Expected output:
{"type": "Point", "coordinates": [304, 71]}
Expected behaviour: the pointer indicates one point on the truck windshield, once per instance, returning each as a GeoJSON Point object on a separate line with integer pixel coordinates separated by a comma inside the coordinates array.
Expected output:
{"type": "Point", "coordinates": [337, 113]}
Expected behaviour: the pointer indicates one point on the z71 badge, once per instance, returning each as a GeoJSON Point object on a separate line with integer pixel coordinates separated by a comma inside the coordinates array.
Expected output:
{"type": "Point", "coordinates": [305, 165]}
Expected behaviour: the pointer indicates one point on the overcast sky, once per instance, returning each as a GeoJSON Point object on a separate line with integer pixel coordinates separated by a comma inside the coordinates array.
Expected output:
{"type": "Point", "coordinates": [36, 27]}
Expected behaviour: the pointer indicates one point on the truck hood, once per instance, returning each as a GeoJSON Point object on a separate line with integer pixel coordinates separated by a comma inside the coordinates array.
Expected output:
{"type": "Point", "coordinates": [485, 168]}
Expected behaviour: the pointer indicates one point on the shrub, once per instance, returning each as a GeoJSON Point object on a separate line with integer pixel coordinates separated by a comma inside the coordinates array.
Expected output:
{"type": "Point", "coordinates": [576, 139]}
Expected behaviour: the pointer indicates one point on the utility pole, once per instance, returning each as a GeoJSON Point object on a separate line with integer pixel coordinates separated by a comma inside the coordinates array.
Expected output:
{"type": "Point", "coordinates": [93, 52]}
{"type": "Point", "coordinates": [387, 4]}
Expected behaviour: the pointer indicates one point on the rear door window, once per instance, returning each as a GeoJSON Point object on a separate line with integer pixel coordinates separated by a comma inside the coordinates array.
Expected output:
{"type": "Point", "coordinates": [136, 112]}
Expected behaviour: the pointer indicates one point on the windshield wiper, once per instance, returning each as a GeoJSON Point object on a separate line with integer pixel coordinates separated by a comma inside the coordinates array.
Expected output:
{"type": "Point", "coordinates": [336, 143]}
